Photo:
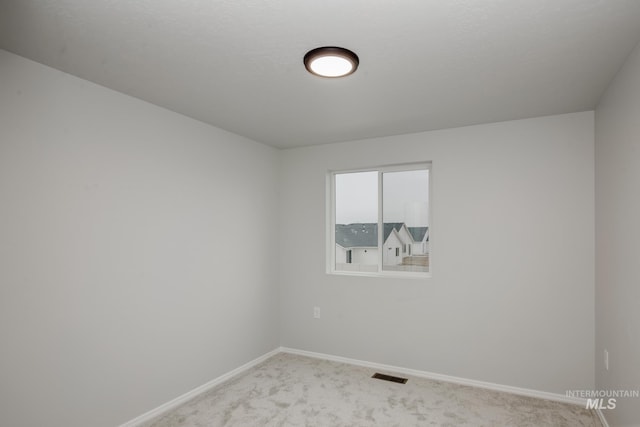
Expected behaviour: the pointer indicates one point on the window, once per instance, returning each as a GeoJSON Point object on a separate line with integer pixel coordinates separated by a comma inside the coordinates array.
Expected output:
{"type": "Point", "coordinates": [379, 221]}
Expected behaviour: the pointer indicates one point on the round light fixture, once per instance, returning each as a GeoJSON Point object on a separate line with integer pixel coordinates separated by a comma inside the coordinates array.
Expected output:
{"type": "Point", "coordinates": [331, 61]}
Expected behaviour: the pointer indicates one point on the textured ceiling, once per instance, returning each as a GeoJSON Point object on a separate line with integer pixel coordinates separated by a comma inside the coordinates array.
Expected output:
{"type": "Point", "coordinates": [424, 64]}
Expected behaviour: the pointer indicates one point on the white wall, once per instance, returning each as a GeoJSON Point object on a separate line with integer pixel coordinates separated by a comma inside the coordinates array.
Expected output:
{"type": "Point", "coordinates": [618, 240]}
{"type": "Point", "coordinates": [511, 299]}
{"type": "Point", "coordinates": [117, 218]}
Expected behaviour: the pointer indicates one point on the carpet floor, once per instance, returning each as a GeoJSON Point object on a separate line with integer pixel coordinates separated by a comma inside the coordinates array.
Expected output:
{"type": "Point", "coordinates": [291, 390]}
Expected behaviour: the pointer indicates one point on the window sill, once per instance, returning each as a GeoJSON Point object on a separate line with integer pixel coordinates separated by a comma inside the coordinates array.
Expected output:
{"type": "Point", "coordinates": [383, 275]}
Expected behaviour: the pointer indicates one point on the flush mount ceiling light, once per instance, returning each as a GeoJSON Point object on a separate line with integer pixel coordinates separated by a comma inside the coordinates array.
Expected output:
{"type": "Point", "coordinates": [331, 61]}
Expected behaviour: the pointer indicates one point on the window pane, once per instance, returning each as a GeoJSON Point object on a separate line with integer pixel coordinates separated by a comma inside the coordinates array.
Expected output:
{"type": "Point", "coordinates": [405, 213]}
{"type": "Point", "coordinates": [356, 221]}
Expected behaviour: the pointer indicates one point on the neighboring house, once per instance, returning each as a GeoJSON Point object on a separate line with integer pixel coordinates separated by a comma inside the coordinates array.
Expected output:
{"type": "Point", "coordinates": [420, 237]}
{"type": "Point", "coordinates": [397, 243]}
{"type": "Point", "coordinates": [357, 244]}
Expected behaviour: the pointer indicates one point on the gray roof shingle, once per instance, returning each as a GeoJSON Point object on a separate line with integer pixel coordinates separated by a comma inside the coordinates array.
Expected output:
{"type": "Point", "coordinates": [418, 233]}
{"type": "Point", "coordinates": [359, 235]}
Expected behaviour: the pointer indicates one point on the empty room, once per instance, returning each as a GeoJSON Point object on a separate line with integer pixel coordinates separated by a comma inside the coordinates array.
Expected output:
{"type": "Point", "coordinates": [319, 213]}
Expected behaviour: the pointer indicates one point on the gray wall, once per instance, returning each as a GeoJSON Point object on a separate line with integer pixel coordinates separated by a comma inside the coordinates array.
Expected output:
{"type": "Point", "coordinates": [512, 294]}
{"type": "Point", "coordinates": [125, 278]}
{"type": "Point", "coordinates": [617, 127]}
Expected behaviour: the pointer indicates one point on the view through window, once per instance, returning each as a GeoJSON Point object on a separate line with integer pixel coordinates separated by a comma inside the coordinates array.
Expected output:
{"type": "Point", "coordinates": [381, 220]}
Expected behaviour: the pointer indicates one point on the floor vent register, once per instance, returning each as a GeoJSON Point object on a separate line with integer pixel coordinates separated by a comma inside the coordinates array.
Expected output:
{"type": "Point", "coordinates": [389, 378]}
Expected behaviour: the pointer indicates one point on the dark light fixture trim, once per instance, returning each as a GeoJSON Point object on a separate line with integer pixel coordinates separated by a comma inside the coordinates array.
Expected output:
{"type": "Point", "coordinates": [346, 61]}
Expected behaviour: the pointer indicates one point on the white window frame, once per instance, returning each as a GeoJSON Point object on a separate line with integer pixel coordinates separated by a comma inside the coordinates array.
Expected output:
{"type": "Point", "coordinates": [331, 219]}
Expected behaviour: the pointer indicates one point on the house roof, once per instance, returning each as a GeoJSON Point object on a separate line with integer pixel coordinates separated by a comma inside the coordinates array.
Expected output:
{"type": "Point", "coordinates": [390, 226]}
{"type": "Point", "coordinates": [418, 233]}
{"type": "Point", "coordinates": [357, 235]}
{"type": "Point", "coordinates": [363, 234]}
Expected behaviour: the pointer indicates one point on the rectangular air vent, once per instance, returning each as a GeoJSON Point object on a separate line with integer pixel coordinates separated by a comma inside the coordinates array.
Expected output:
{"type": "Point", "coordinates": [389, 378]}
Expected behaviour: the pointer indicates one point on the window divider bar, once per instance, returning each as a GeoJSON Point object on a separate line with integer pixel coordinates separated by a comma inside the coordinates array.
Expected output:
{"type": "Point", "coordinates": [380, 224]}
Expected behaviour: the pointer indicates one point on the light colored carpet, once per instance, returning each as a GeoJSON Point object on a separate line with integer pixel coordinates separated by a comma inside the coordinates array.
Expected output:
{"type": "Point", "coordinates": [291, 390]}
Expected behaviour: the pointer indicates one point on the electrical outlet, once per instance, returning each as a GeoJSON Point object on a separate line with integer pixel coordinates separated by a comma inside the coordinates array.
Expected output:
{"type": "Point", "coordinates": [316, 312]}
{"type": "Point", "coordinates": [606, 359]}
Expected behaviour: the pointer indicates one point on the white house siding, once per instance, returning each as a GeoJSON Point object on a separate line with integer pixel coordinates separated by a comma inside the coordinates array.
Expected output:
{"type": "Point", "coordinates": [364, 256]}
{"type": "Point", "coordinates": [341, 255]}
{"type": "Point", "coordinates": [362, 259]}
{"type": "Point", "coordinates": [389, 250]}
{"type": "Point", "coordinates": [416, 248]}
{"type": "Point", "coordinates": [405, 237]}
{"type": "Point", "coordinates": [420, 248]}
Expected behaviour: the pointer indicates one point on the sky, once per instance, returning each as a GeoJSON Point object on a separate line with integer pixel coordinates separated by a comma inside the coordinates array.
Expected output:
{"type": "Point", "coordinates": [405, 197]}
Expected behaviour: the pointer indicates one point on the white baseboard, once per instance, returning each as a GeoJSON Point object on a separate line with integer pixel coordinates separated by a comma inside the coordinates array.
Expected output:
{"type": "Point", "coordinates": [603, 420]}
{"type": "Point", "coordinates": [377, 366]}
{"type": "Point", "coordinates": [446, 378]}
{"type": "Point", "coordinates": [196, 391]}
